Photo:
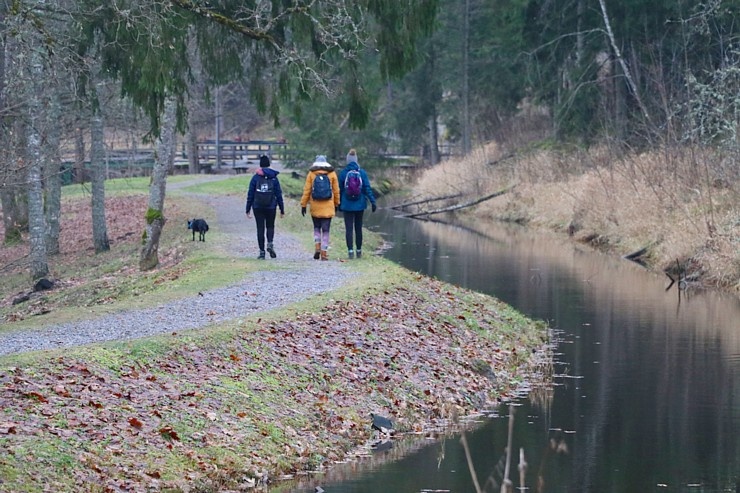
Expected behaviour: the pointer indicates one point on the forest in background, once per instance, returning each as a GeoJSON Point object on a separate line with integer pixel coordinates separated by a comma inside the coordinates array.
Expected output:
{"type": "Point", "coordinates": [431, 79]}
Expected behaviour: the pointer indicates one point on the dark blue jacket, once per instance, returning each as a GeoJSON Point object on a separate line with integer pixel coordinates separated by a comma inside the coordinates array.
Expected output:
{"type": "Point", "coordinates": [360, 204]}
{"type": "Point", "coordinates": [277, 200]}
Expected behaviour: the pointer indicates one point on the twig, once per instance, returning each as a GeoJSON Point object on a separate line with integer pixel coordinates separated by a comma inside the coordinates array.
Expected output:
{"type": "Point", "coordinates": [507, 486]}
{"type": "Point", "coordinates": [522, 469]}
{"type": "Point", "coordinates": [464, 442]}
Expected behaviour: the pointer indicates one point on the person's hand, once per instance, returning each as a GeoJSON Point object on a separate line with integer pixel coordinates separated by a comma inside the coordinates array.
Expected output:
{"type": "Point", "coordinates": [375, 207]}
{"type": "Point", "coordinates": [303, 211]}
{"type": "Point", "coordinates": [249, 215]}
{"type": "Point", "coordinates": [282, 214]}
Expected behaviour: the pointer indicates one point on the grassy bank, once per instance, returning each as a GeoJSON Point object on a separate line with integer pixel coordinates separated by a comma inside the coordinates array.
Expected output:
{"type": "Point", "coordinates": [277, 393]}
{"type": "Point", "coordinates": [680, 205]}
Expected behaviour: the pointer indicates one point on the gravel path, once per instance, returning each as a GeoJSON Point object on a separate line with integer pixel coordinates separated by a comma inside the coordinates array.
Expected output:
{"type": "Point", "coordinates": [295, 280]}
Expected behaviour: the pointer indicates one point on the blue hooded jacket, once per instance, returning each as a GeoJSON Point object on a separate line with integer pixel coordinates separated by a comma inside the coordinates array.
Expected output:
{"type": "Point", "coordinates": [360, 204]}
{"type": "Point", "coordinates": [277, 200]}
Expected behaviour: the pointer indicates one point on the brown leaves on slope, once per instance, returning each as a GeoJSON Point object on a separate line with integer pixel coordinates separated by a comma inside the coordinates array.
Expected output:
{"type": "Point", "coordinates": [281, 396]}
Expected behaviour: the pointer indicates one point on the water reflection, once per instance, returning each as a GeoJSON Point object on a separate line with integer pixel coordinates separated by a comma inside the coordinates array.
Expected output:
{"type": "Point", "coordinates": [649, 393]}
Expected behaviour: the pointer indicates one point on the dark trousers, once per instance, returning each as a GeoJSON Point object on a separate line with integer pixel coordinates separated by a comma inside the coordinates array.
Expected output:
{"type": "Point", "coordinates": [265, 223]}
{"type": "Point", "coordinates": [353, 228]}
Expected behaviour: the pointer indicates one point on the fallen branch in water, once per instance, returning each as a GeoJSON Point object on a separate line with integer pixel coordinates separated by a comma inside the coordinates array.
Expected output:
{"type": "Point", "coordinates": [463, 205]}
{"type": "Point", "coordinates": [637, 255]}
{"type": "Point", "coordinates": [425, 201]}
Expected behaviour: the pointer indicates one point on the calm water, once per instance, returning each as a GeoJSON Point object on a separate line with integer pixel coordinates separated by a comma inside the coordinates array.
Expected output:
{"type": "Point", "coordinates": [647, 397]}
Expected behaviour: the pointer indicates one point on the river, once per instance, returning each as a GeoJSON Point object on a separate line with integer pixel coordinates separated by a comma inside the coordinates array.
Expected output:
{"type": "Point", "coordinates": [647, 385]}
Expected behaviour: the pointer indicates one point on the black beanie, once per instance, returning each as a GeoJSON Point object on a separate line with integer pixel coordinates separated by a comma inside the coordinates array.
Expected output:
{"type": "Point", "coordinates": [264, 162]}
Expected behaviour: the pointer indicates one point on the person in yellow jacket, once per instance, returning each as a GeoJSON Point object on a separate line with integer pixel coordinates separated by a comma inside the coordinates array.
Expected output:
{"type": "Point", "coordinates": [321, 194]}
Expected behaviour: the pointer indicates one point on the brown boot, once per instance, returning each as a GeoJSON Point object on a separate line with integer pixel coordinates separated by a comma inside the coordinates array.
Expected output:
{"type": "Point", "coordinates": [324, 255]}
{"type": "Point", "coordinates": [317, 252]}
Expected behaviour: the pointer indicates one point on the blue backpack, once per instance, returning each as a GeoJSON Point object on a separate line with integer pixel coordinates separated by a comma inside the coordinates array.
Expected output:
{"type": "Point", "coordinates": [321, 189]}
{"type": "Point", "coordinates": [353, 184]}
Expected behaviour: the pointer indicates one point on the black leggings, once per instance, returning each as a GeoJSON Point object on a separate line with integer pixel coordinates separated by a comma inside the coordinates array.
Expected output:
{"type": "Point", "coordinates": [353, 221]}
{"type": "Point", "coordinates": [265, 221]}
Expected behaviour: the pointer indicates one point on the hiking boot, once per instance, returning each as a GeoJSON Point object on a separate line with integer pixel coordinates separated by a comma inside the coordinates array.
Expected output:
{"type": "Point", "coordinates": [359, 253]}
{"type": "Point", "coordinates": [324, 255]}
{"type": "Point", "coordinates": [350, 254]}
{"type": "Point", "coordinates": [271, 250]}
{"type": "Point", "coordinates": [317, 252]}
{"type": "Point", "coordinates": [261, 256]}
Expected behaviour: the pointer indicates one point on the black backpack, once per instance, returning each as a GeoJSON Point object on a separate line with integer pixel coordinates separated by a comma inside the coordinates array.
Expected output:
{"type": "Point", "coordinates": [321, 188]}
{"type": "Point", "coordinates": [264, 192]}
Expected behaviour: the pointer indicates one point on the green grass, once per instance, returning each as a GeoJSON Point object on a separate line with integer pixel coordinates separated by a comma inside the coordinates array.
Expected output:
{"type": "Point", "coordinates": [119, 186]}
{"type": "Point", "coordinates": [238, 185]}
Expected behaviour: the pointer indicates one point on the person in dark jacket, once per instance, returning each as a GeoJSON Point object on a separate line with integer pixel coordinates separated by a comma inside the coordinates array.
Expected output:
{"type": "Point", "coordinates": [264, 197]}
{"type": "Point", "coordinates": [353, 207]}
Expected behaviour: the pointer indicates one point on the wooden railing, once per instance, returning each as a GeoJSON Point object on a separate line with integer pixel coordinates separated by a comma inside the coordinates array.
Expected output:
{"type": "Point", "coordinates": [238, 154]}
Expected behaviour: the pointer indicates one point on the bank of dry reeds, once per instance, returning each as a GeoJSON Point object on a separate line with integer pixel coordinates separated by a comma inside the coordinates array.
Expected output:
{"type": "Point", "coordinates": [684, 204]}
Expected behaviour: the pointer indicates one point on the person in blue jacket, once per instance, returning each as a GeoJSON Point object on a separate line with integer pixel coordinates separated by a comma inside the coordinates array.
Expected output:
{"type": "Point", "coordinates": [264, 197]}
{"type": "Point", "coordinates": [352, 204]}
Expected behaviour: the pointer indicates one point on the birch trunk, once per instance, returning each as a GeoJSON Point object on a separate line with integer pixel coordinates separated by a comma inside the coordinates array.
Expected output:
{"type": "Point", "coordinates": [155, 220]}
{"type": "Point", "coordinates": [618, 53]}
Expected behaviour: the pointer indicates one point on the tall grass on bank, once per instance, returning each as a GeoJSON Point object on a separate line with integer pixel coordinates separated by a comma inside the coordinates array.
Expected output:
{"type": "Point", "coordinates": [681, 202]}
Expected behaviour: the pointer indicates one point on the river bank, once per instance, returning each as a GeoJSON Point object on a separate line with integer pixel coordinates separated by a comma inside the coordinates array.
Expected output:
{"type": "Point", "coordinates": [277, 391]}
{"type": "Point", "coordinates": [675, 211]}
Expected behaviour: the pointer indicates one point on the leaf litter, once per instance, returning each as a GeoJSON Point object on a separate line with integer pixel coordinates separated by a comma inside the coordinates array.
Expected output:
{"type": "Point", "coordinates": [232, 409]}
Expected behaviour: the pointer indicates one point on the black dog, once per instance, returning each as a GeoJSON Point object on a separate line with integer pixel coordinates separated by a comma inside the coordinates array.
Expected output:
{"type": "Point", "coordinates": [200, 226]}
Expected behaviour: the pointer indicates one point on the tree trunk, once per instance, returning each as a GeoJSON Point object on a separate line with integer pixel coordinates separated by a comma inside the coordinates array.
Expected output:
{"type": "Point", "coordinates": [78, 176]}
{"type": "Point", "coordinates": [191, 141]}
{"type": "Point", "coordinates": [13, 190]}
{"type": "Point", "coordinates": [625, 69]}
{"type": "Point", "coordinates": [192, 148]}
{"type": "Point", "coordinates": [97, 170]}
{"type": "Point", "coordinates": [37, 226]}
{"type": "Point", "coordinates": [8, 200]}
{"type": "Point", "coordinates": [580, 41]}
{"type": "Point", "coordinates": [7, 187]}
{"type": "Point", "coordinates": [466, 125]}
{"type": "Point", "coordinates": [433, 139]}
{"type": "Point", "coordinates": [52, 176]}
{"type": "Point", "coordinates": [155, 219]}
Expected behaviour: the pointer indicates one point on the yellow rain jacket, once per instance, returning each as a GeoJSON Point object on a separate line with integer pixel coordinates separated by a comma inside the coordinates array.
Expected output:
{"type": "Point", "coordinates": [321, 208]}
